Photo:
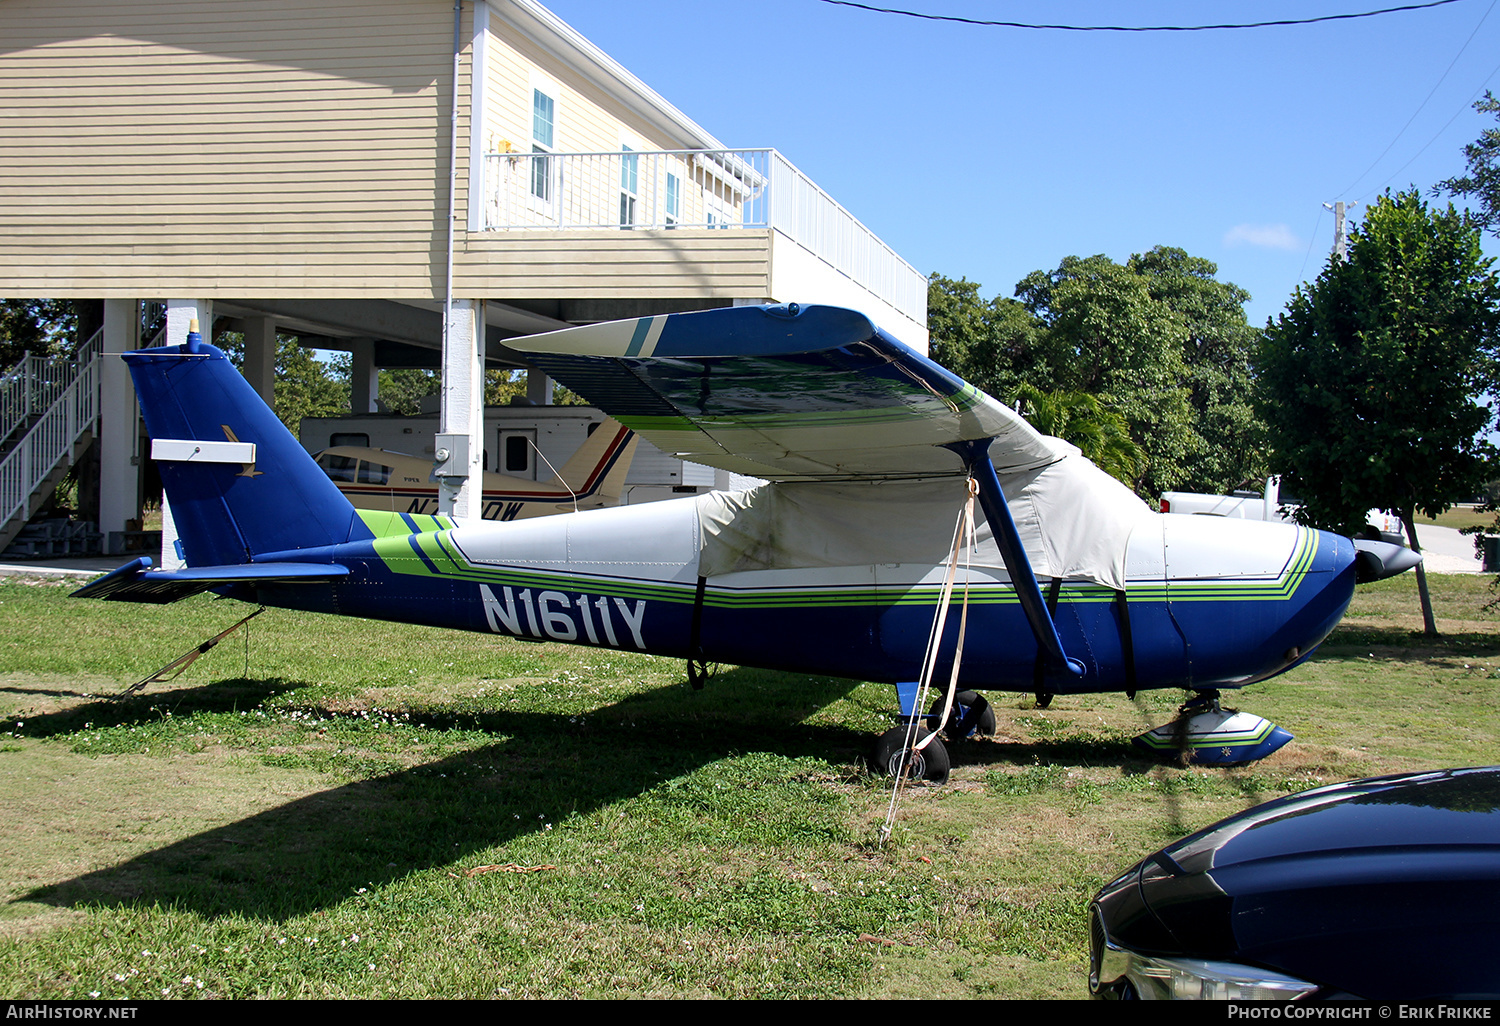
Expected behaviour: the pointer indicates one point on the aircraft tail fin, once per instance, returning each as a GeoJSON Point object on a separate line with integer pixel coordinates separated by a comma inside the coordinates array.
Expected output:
{"type": "Point", "coordinates": [597, 470]}
{"type": "Point", "coordinates": [240, 485]}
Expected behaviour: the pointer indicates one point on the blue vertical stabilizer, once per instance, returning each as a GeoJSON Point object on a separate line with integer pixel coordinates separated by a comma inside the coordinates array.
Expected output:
{"type": "Point", "coordinates": [228, 513]}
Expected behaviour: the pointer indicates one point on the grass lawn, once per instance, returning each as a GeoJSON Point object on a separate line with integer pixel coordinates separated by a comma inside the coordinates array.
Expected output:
{"type": "Point", "coordinates": [1458, 518]}
{"type": "Point", "coordinates": [341, 808]}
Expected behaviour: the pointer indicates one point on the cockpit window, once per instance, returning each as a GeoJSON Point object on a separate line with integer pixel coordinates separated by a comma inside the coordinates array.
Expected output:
{"type": "Point", "coordinates": [339, 468]}
{"type": "Point", "coordinates": [374, 473]}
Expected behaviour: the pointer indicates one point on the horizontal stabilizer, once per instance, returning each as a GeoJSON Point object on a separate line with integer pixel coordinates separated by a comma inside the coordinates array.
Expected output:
{"type": "Point", "coordinates": [137, 582]}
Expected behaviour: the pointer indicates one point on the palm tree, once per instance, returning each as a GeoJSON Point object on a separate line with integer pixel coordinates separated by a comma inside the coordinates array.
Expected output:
{"type": "Point", "coordinates": [1100, 433]}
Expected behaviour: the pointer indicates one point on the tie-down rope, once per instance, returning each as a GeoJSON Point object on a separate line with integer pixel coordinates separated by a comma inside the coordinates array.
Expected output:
{"type": "Point", "coordinates": [963, 531]}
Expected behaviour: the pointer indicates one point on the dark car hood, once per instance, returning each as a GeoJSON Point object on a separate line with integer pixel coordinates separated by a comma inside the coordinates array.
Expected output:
{"type": "Point", "coordinates": [1383, 888]}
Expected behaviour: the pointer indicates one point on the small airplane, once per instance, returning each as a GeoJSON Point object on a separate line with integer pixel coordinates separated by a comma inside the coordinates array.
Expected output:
{"type": "Point", "coordinates": [593, 478]}
{"type": "Point", "coordinates": [842, 564]}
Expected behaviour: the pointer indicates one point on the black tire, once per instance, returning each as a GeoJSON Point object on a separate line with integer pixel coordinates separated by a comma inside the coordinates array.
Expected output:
{"type": "Point", "coordinates": [890, 756]}
{"type": "Point", "coordinates": [962, 703]}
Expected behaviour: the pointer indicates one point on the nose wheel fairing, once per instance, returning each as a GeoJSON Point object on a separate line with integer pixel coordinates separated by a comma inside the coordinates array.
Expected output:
{"type": "Point", "coordinates": [1207, 734]}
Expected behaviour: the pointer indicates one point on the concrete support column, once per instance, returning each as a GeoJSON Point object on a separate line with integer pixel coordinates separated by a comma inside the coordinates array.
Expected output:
{"type": "Point", "coordinates": [461, 418]}
{"type": "Point", "coordinates": [364, 376]}
{"type": "Point", "coordinates": [119, 425]}
{"type": "Point", "coordinates": [538, 387]}
{"type": "Point", "coordinates": [180, 315]}
{"type": "Point", "coordinates": [260, 357]}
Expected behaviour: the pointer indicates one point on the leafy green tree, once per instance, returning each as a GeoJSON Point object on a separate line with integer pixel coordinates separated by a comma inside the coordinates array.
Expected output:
{"type": "Point", "coordinates": [1216, 354]}
{"type": "Point", "coordinates": [1369, 383]}
{"type": "Point", "coordinates": [989, 343]}
{"type": "Point", "coordinates": [1482, 182]}
{"type": "Point", "coordinates": [43, 327]}
{"type": "Point", "coordinates": [1101, 434]}
{"type": "Point", "coordinates": [1159, 341]}
{"type": "Point", "coordinates": [305, 385]}
{"type": "Point", "coordinates": [1103, 333]}
{"type": "Point", "coordinates": [402, 391]}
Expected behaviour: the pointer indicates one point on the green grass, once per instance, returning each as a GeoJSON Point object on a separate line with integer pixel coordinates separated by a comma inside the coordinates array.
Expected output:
{"type": "Point", "coordinates": [1457, 518]}
{"type": "Point", "coordinates": [343, 808]}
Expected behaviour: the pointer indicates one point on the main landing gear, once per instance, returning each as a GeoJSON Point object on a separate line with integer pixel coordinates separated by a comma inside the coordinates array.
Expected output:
{"type": "Point", "coordinates": [1206, 733]}
{"type": "Point", "coordinates": [971, 716]}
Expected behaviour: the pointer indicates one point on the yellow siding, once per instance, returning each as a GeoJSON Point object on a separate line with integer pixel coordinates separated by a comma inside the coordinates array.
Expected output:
{"type": "Point", "coordinates": [244, 147]}
{"type": "Point", "coordinates": [684, 263]}
{"type": "Point", "coordinates": [278, 148]}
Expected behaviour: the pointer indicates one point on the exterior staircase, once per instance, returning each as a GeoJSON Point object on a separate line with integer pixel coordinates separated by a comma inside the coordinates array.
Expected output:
{"type": "Point", "coordinates": [49, 412]}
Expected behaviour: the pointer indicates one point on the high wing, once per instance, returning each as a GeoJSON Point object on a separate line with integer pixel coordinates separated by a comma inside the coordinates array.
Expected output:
{"type": "Point", "coordinates": [784, 393]}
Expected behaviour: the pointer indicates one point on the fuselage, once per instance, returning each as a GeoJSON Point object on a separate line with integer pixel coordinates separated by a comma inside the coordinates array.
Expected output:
{"type": "Point", "coordinates": [1208, 603]}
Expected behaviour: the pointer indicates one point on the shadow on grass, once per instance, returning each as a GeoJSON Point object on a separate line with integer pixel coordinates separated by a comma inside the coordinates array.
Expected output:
{"type": "Point", "coordinates": [1349, 639]}
{"type": "Point", "coordinates": [315, 851]}
{"type": "Point", "coordinates": [108, 711]}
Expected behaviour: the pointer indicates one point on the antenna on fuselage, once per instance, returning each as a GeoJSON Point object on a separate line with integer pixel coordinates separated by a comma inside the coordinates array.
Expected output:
{"type": "Point", "coordinates": [555, 473]}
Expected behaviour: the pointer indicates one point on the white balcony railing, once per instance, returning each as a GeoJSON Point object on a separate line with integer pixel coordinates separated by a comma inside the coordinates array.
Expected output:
{"type": "Point", "coordinates": [723, 189]}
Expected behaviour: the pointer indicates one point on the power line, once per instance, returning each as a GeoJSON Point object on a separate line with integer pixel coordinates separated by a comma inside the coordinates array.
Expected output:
{"type": "Point", "coordinates": [1136, 28]}
{"type": "Point", "coordinates": [1464, 109]}
{"type": "Point", "coordinates": [1423, 104]}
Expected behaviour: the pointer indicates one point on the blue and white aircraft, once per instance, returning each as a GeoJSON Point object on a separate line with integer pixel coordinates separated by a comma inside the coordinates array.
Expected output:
{"type": "Point", "coordinates": [834, 566]}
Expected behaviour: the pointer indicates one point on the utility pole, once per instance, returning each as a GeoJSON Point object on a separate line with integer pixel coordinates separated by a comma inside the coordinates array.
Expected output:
{"type": "Point", "coordinates": [1340, 237]}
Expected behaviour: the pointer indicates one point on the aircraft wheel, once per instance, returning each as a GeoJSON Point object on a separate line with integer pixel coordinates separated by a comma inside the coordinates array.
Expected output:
{"type": "Point", "coordinates": [962, 703]}
{"type": "Point", "coordinates": [891, 755]}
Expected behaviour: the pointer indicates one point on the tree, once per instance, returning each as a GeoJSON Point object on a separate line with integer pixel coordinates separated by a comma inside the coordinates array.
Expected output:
{"type": "Point", "coordinates": [1370, 383]}
{"type": "Point", "coordinates": [305, 385]}
{"type": "Point", "coordinates": [1216, 353]}
{"type": "Point", "coordinates": [1483, 180]}
{"type": "Point", "coordinates": [1101, 434]}
{"type": "Point", "coordinates": [1158, 341]}
{"type": "Point", "coordinates": [989, 343]}
{"type": "Point", "coordinates": [402, 391]}
{"type": "Point", "coordinates": [1103, 333]}
{"type": "Point", "coordinates": [42, 327]}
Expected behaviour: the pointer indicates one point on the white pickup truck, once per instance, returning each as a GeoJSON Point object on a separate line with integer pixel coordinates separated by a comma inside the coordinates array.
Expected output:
{"type": "Point", "coordinates": [1269, 504]}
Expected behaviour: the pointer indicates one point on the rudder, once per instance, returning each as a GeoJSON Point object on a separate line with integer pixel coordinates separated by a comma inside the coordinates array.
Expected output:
{"type": "Point", "coordinates": [231, 513]}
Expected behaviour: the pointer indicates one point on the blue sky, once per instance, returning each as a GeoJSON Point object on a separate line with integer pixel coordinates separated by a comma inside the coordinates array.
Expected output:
{"type": "Point", "coordinates": [988, 153]}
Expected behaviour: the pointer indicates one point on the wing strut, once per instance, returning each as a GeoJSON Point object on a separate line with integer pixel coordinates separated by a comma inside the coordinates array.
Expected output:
{"type": "Point", "coordinates": [1003, 526]}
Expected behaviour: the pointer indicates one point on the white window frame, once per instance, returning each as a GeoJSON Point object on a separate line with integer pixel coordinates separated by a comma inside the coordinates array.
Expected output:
{"type": "Point", "coordinates": [630, 185]}
{"type": "Point", "coordinates": [672, 201]}
{"type": "Point", "coordinates": [549, 170]}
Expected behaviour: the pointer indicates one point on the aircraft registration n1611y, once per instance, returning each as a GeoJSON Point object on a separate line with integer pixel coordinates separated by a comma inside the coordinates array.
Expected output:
{"type": "Point", "coordinates": [838, 565]}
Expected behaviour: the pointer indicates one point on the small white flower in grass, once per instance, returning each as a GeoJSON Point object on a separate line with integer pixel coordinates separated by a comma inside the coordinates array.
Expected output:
{"type": "Point", "coordinates": [93, 993]}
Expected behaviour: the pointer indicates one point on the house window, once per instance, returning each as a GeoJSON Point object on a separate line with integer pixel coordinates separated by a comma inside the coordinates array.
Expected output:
{"type": "Point", "coordinates": [543, 135]}
{"type": "Point", "coordinates": [630, 167]}
{"type": "Point", "coordinates": [674, 200]}
{"type": "Point", "coordinates": [718, 213]}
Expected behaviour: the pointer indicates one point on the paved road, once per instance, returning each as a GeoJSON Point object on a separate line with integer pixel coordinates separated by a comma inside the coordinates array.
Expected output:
{"type": "Point", "coordinates": [1445, 551]}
